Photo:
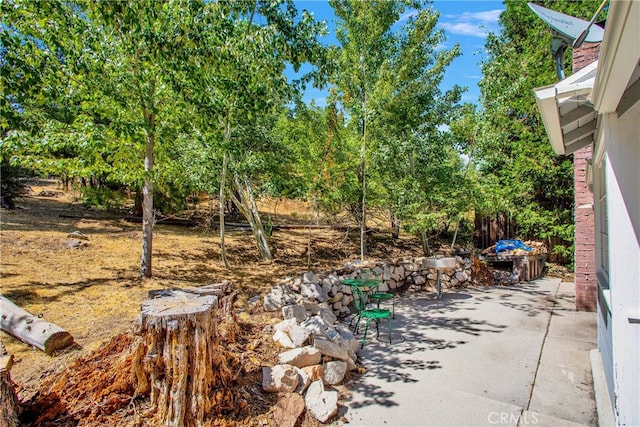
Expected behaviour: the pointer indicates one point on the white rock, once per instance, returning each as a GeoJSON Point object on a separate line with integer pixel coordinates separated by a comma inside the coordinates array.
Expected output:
{"type": "Point", "coordinates": [301, 357]}
{"type": "Point", "coordinates": [313, 291]}
{"type": "Point", "coordinates": [280, 378]}
{"type": "Point", "coordinates": [283, 339]}
{"type": "Point", "coordinates": [334, 371]}
{"type": "Point", "coordinates": [303, 380]}
{"type": "Point", "coordinates": [310, 277]}
{"type": "Point", "coordinates": [316, 325]}
{"type": "Point", "coordinates": [323, 404]}
{"type": "Point", "coordinates": [335, 280]}
{"type": "Point", "coordinates": [329, 348]}
{"type": "Point", "coordinates": [462, 276]}
{"type": "Point", "coordinates": [327, 315]}
{"type": "Point", "coordinates": [298, 335]}
{"type": "Point", "coordinates": [297, 312]}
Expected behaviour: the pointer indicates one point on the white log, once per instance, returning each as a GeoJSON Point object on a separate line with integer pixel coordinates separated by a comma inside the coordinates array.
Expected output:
{"type": "Point", "coordinates": [32, 330]}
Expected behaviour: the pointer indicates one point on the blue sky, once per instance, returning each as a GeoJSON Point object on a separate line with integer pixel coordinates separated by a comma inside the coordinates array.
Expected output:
{"type": "Point", "coordinates": [465, 22]}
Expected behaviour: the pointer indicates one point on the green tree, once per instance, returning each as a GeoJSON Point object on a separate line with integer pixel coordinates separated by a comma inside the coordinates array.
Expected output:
{"type": "Point", "coordinates": [235, 80]}
{"type": "Point", "coordinates": [387, 77]}
{"type": "Point", "coordinates": [518, 165]}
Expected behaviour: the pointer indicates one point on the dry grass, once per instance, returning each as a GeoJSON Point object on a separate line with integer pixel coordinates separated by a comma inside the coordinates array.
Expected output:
{"type": "Point", "coordinates": [95, 292]}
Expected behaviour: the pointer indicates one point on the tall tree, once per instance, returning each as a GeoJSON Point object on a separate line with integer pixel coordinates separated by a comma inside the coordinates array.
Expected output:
{"type": "Point", "coordinates": [535, 184]}
{"type": "Point", "coordinates": [387, 78]}
{"type": "Point", "coordinates": [237, 78]}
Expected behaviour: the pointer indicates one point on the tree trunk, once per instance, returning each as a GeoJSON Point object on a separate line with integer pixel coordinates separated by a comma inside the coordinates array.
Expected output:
{"type": "Point", "coordinates": [363, 172]}
{"type": "Point", "coordinates": [147, 201]}
{"type": "Point", "coordinates": [395, 227]}
{"type": "Point", "coordinates": [425, 243]}
{"type": "Point", "coordinates": [247, 205]}
{"type": "Point", "coordinates": [223, 176]}
{"type": "Point", "coordinates": [179, 356]}
{"type": "Point", "coordinates": [32, 330]}
{"type": "Point", "coordinates": [8, 399]}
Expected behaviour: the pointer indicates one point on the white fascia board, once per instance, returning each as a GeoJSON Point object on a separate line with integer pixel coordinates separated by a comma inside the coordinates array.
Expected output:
{"type": "Point", "coordinates": [619, 55]}
{"type": "Point", "coordinates": [576, 89]}
{"type": "Point", "coordinates": [546, 100]}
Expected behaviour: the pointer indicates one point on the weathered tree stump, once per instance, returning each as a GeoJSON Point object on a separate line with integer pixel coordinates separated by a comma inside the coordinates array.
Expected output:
{"type": "Point", "coordinates": [28, 328]}
{"type": "Point", "coordinates": [8, 398]}
{"type": "Point", "coordinates": [178, 359]}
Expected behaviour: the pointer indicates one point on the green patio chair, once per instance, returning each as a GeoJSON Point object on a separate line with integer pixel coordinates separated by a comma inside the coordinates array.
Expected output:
{"type": "Point", "coordinates": [377, 296]}
{"type": "Point", "coordinates": [368, 314]}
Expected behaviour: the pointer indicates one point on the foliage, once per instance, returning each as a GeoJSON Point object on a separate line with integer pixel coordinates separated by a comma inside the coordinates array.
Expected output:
{"type": "Point", "coordinates": [517, 162]}
{"type": "Point", "coordinates": [388, 82]}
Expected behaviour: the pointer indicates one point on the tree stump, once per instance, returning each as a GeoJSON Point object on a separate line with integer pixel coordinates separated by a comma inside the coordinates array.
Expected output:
{"type": "Point", "coordinates": [178, 359]}
{"type": "Point", "coordinates": [8, 398]}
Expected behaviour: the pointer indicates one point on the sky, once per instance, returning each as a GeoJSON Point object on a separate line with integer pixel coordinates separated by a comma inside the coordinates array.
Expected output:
{"type": "Point", "coordinates": [466, 22]}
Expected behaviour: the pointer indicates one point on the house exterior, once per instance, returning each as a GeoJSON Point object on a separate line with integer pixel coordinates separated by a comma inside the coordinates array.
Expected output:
{"type": "Point", "coordinates": [598, 108]}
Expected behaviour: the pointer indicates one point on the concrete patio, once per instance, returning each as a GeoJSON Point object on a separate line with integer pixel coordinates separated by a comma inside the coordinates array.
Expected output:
{"type": "Point", "coordinates": [516, 355]}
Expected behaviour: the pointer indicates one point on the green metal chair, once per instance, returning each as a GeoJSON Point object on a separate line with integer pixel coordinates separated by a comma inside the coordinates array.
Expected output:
{"type": "Point", "coordinates": [362, 312]}
{"type": "Point", "coordinates": [376, 296]}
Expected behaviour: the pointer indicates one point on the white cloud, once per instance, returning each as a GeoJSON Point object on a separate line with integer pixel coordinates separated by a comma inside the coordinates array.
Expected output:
{"type": "Point", "coordinates": [485, 17]}
{"type": "Point", "coordinates": [465, 29]}
{"type": "Point", "coordinates": [407, 15]}
{"type": "Point", "coordinates": [475, 24]}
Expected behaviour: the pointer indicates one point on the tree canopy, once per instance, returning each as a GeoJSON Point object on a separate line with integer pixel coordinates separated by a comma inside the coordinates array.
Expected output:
{"type": "Point", "coordinates": [170, 99]}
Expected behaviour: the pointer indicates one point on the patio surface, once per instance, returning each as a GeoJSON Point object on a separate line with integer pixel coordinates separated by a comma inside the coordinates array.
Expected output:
{"type": "Point", "coordinates": [516, 355]}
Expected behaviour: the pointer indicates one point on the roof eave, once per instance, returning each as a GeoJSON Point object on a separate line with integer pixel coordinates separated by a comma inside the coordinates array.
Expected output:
{"type": "Point", "coordinates": [546, 100]}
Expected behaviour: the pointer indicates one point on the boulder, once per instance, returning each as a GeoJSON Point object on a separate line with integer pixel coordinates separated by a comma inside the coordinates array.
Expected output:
{"type": "Point", "coordinates": [334, 371]}
{"type": "Point", "coordinates": [310, 277]}
{"type": "Point", "coordinates": [297, 312]}
{"type": "Point", "coordinates": [316, 325]}
{"type": "Point", "coordinates": [301, 357]}
{"type": "Point", "coordinates": [280, 378]}
{"type": "Point", "coordinates": [323, 404]}
{"type": "Point", "coordinates": [304, 379]}
{"type": "Point", "coordinates": [313, 291]}
{"type": "Point", "coordinates": [283, 339]}
{"type": "Point", "coordinates": [279, 297]}
{"type": "Point", "coordinates": [298, 335]}
{"type": "Point", "coordinates": [315, 372]}
{"type": "Point", "coordinates": [462, 276]}
{"type": "Point", "coordinates": [329, 348]}
{"type": "Point", "coordinates": [288, 410]}
{"type": "Point", "coordinates": [327, 315]}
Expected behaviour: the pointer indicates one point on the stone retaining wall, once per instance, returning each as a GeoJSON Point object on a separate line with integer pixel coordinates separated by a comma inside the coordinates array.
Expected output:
{"type": "Point", "coordinates": [397, 276]}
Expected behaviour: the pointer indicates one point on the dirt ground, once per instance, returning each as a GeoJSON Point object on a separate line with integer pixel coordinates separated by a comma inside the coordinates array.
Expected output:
{"type": "Point", "coordinates": [95, 292]}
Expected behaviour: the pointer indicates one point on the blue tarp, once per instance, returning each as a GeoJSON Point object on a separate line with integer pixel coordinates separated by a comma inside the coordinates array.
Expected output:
{"type": "Point", "coordinates": [509, 245]}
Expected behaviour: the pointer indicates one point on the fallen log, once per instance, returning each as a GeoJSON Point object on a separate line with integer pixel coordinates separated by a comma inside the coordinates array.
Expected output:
{"type": "Point", "coordinates": [32, 330]}
{"type": "Point", "coordinates": [8, 398]}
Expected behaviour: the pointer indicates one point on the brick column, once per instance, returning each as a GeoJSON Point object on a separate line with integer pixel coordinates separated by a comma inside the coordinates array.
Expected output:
{"type": "Point", "coordinates": [585, 245]}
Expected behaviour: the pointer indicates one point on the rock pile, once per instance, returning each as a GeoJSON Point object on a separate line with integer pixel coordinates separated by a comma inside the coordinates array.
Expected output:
{"type": "Point", "coordinates": [319, 350]}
